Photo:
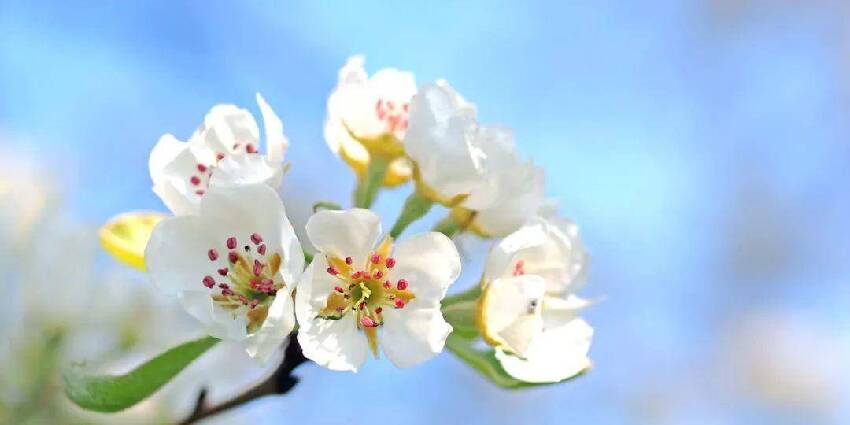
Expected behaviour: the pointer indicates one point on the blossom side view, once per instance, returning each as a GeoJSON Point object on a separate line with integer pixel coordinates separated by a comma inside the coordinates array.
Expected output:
{"type": "Point", "coordinates": [471, 168]}
{"type": "Point", "coordinates": [367, 118]}
{"type": "Point", "coordinates": [528, 310]}
{"type": "Point", "coordinates": [233, 266]}
{"type": "Point", "coordinates": [224, 150]}
{"type": "Point", "coordinates": [360, 293]}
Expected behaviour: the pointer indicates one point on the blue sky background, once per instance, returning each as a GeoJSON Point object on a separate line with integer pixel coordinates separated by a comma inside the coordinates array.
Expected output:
{"type": "Point", "coordinates": [701, 145]}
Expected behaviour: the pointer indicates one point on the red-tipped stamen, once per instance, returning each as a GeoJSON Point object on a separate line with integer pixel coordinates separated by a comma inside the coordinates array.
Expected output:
{"type": "Point", "coordinates": [390, 262]}
{"type": "Point", "coordinates": [233, 257]}
{"type": "Point", "coordinates": [375, 259]}
{"type": "Point", "coordinates": [349, 260]}
{"type": "Point", "coordinates": [332, 271]}
{"type": "Point", "coordinates": [262, 249]}
{"type": "Point", "coordinates": [258, 267]}
{"type": "Point", "coordinates": [208, 281]}
{"type": "Point", "coordinates": [212, 254]}
{"type": "Point", "coordinates": [401, 285]}
{"type": "Point", "coordinates": [367, 322]}
{"type": "Point", "coordinates": [399, 303]}
{"type": "Point", "coordinates": [256, 238]}
{"type": "Point", "coordinates": [232, 242]}
{"type": "Point", "coordinates": [222, 271]}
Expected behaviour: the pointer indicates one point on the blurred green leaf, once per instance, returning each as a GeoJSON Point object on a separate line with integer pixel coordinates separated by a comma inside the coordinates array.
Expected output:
{"type": "Point", "coordinates": [113, 393]}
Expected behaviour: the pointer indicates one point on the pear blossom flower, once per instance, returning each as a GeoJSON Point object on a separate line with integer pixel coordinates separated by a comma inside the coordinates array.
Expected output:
{"type": "Point", "coordinates": [368, 116]}
{"type": "Point", "coordinates": [470, 167]}
{"type": "Point", "coordinates": [357, 287]}
{"type": "Point", "coordinates": [528, 309]}
{"type": "Point", "coordinates": [224, 150]}
{"type": "Point", "coordinates": [233, 265]}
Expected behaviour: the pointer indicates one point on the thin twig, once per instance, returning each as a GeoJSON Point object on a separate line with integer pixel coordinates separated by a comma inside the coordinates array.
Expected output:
{"type": "Point", "coordinates": [280, 382]}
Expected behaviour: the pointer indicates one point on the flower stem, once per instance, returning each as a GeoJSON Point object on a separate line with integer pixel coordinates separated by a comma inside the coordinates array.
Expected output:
{"type": "Point", "coordinates": [415, 207]}
{"type": "Point", "coordinates": [280, 382]}
{"type": "Point", "coordinates": [369, 184]}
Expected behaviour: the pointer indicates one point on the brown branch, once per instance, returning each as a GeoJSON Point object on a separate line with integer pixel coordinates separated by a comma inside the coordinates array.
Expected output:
{"type": "Point", "coordinates": [280, 382]}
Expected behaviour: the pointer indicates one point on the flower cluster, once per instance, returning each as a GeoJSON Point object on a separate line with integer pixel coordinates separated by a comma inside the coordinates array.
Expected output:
{"type": "Point", "coordinates": [231, 256]}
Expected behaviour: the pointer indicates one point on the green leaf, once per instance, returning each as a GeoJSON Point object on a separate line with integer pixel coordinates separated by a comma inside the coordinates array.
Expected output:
{"type": "Point", "coordinates": [415, 207]}
{"type": "Point", "coordinates": [113, 393]}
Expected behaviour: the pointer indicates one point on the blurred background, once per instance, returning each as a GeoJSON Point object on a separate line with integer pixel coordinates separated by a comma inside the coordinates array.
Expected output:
{"type": "Point", "coordinates": [702, 146]}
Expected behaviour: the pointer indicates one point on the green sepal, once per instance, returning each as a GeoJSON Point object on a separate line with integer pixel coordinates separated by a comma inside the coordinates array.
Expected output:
{"type": "Point", "coordinates": [415, 207]}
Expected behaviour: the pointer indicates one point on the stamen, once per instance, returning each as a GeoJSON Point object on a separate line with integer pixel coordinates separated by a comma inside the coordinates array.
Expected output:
{"type": "Point", "coordinates": [231, 242]}
{"type": "Point", "coordinates": [209, 282]}
{"type": "Point", "coordinates": [195, 180]}
{"type": "Point", "coordinates": [219, 156]}
{"type": "Point", "coordinates": [377, 275]}
{"type": "Point", "coordinates": [250, 148]}
{"type": "Point", "coordinates": [200, 192]}
{"type": "Point", "coordinates": [332, 271]}
{"type": "Point", "coordinates": [367, 322]}
{"type": "Point", "coordinates": [212, 254]}
{"type": "Point", "coordinates": [390, 262]}
{"type": "Point", "coordinates": [233, 257]}
{"type": "Point", "coordinates": [387, 285]}
{"type": "Point", "coordinates": [379, 310]}
{"type": "Point", "coordinates": [258, 267]}
{"type": "Point", "coordinates": [339, 289]}
{"type": "Point", "coordinates": [375, 259]}
{"type": "Point", "coordinates": [401, 285]}
{"type": "Point", "coordinates": [399, 303]}
{"type": "Point", "coordinates": [262, 249]}
{"type": "Point", "coordinates": [222, 271]}
{"type": "Point", "coordinates": [519, 268]}
{"type": "Point", "coordinates": [256, 238]}
{"type": "Point", "coordinates": [348, 260]}
{"type": "Point", "coordinates": [202, 167]}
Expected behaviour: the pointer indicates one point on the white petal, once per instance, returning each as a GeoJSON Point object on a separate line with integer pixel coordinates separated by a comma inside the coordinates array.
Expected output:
{"type": "Point", "coordinates": [264, 342]}
{"type": "Point", "coordinates": [276, 140]}
{"type": "Point", "coordinates": [518, 197]}
{"type": "Point", "coordinates": [172, 178]}
{"type": "Point", "coordinates": [334, 344]}
{"type": "Point", "coordinates": [430, 263]}
{"type": "Point", "coordinates": [553, 251]}
{"type": "Point", "coordinates": [247, 169]}
{"type": "Point", "coordinates": [225, 126]}
{"type": "Point", "coordinates": [165, 150]}
{"type": "Point", "coordinates": [413, 335]}
{"type": "Point", "coordinates": [511, 311]}
{"type": "Point", "coordinates": [351, 233]}
{"type": "Point", "coordinates": [215, 320]}
{"type": "Point", "coordinates": [554, 356]}
{"type": "Point", "coordinates": [441, 139]}
{"type": "Point", "coordinates": [502, 262]}
{"type": "Point", "coordinates": [176, 254]}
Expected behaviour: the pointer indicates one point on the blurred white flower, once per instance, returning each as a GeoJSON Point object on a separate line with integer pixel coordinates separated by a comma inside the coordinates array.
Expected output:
{"type": "Point", "coordinates": [233, 266]}
{"type": "Point", "coordinates": [369, 116]}
{"type": "Point", "coordinates": [786, 361]}
{"type": "Point", "coordinates": [470, 167]}
{"type": "Point", "coordinates": [224, 150]}
{"type": "Point", "coordinates": [528, 310]}
{"type": "Point", "coordinates": [353, 288]}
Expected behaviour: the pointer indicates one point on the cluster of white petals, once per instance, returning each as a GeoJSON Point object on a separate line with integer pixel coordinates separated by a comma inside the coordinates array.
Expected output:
{"type": "Point", "coordinates": [224, 150]}
{"type": "Point", "coordinates": [395, 289]}
{"type": "Point", "coordinates": [529, 310]}
{"type": "Point", "coordinates": [233, 259]}
{"type": "Point", "coordinates": [472, 166]}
